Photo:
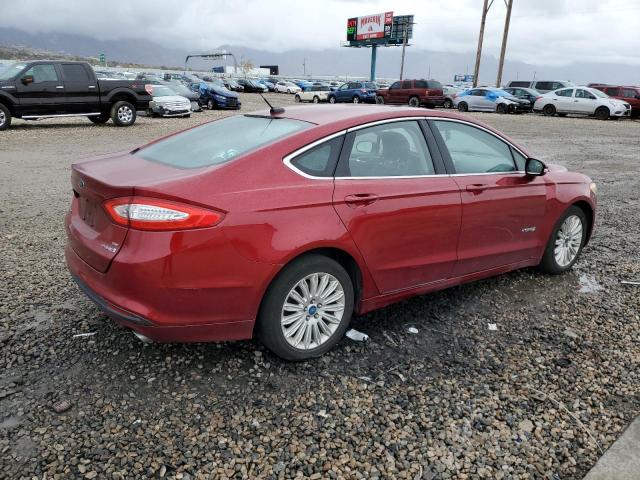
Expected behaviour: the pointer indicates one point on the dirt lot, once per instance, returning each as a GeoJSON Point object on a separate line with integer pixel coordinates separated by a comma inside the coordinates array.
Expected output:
{"type": "Point", "coordinates": [541, 397]}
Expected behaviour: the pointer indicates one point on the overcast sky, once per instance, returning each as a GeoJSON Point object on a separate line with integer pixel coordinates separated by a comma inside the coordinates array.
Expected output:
{"type": "Point", "coordinates": [543, 32]}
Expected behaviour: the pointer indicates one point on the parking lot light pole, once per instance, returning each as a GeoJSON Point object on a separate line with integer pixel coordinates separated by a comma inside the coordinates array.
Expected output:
{"type": "Point", "coordinates": [374, 49]}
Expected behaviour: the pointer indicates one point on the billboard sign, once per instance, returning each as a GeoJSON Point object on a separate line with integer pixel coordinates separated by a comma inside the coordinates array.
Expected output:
{"type": "Point", "coordinates": [463, 78]}
{"type": "Point", "coordinates": [370, 27]}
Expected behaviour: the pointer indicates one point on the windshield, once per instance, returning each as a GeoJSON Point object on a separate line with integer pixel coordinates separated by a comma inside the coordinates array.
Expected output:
{"type": "Point", "coordinates": [181, 89]}
{"type": "Point", "coordinates": [219, 142]}
{"type": "Point", "coordinates": [12, 71]}
{"type": "Point", "coordinates": [162, 91]}
{"type": "Point", "coordinates": [598, 93]}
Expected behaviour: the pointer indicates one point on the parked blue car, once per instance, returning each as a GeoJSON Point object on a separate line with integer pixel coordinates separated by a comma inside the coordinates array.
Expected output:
{"type": "Point", "coordinates": [214, 96]}
{"type": "Point", "coordinates": [303, 84]}
{"type": "Point", "coordinates": [354, 92]}
{"type": "Point", "coordinates": [271, 86]}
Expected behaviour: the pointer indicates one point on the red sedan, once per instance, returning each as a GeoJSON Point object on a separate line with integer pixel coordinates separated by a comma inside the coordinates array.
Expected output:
{"type": "Point", "coordinates": [282, 224]}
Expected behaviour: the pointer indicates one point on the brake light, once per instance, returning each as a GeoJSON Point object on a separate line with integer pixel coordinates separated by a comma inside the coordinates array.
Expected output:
{"type": "Point", "coordinates": [144, 213]}
{"type": "Point", "coordinates": [363, 90]}
{"type": "Point", "coordinates": [149, 88]}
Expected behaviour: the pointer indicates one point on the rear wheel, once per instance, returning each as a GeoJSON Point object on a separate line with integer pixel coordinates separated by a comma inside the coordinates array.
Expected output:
{"type": "Point", "coordinates": [414, 102]}
{"type": "Point", "coordinates": [307, 308]}
{"type": "Point", "coordinates": [211, 104]}
{"type": "Point", "coordinates": [5, 117]}
{"type": "Point", "coordinates": [316, 99]}
{"type": "Point", "coordinates": [602, 113]}
{"type": "Point", "coordinates": [566, 242]}
{"type": "Point", "coordinates": [123, 114]}
{"type": "Point", "coordinates": [297, 98]}
{"type": "Point", "coordinates": [103, 118]}
{"type": "Point", "coordinates": [380, 100]}
{"type": "Point", "coordinates": [332, 99]}
{"type": "Point", "coordinates": [447, 103]}
{"type": "Point", "coordinates": [463, 107]}
{"type": "Point", "coordinates": [355, 99]}
{"type": "Point", "coordinates": [549, 110]}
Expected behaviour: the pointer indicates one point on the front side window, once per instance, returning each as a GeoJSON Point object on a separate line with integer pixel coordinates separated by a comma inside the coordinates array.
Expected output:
{"type": "Point", "coordinates": [580, 93]}
{"type": "Point", "coordinates": [611, 91]}
{"type": "Point", "coordinates": [567, 92]}
{"type": "Point", "coordinates": [320, 161]}
{"type": "Point", "coordinates": [219, 142]}
{"type": "Point", "coordinates": [353, 86]}
{"type": "Point", "coordinates": [396, 149]}
{"type": "Point", "coordinates": [406, 84]}
{"type": "Point", "coordinates": [421, 84]}
{"type": "Point", "coordinates": [473, 150]}
{"type": "Point", "coordinates": [395, 85]}
{"type": "Point", "coordinates": [42, 73]}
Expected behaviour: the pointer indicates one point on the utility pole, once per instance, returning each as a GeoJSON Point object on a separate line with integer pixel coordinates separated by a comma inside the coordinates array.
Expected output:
{"type": "Point", "coordinates": [404, 46]}
{"type": "Point", "coordinates": [304, 66]}
{"type": "Point", "coordinates": [504, 42]}
{"type": "Point", "coordinates": [485, 8]}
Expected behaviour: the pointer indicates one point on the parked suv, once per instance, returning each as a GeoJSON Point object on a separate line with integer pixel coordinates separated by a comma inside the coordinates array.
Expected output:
{"type": "Point", "coordinates": [412, 92]}
{"type": "Point", "coordinates": [543, 86]}
{"type": "Point", "coordinates": [354, 92]}
{"type": "Point", "coordinates": [631, 95]}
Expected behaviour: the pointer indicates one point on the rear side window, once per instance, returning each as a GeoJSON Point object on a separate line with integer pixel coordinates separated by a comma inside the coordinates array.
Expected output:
{"type": "Point", "coordinates": [74, 73]}
{"type": "Point", "coordinates": [320, 161]}
{"type": "Point", "coordinates": [630, 93]}
{"type": "Point", "coordinates": [473, 150]}
{"type": "Point", "coordinates": [547, 86]}
{"type": "Point", "coordinates": [219, 142]}
{"type": "Point", "coordinates": [421, 84]}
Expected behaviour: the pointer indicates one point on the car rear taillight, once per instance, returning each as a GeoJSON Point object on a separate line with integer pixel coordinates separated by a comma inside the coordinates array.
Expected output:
{"type": "Point", "coordinates": [145, 213]}
{"type": "Point", "coordinates": [149, 88]}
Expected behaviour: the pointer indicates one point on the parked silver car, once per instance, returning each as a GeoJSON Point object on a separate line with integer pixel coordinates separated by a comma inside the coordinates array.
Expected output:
{"type": "Point", "coordinates": [489, 100]}
{"type": "Point", "coordinates": [542, 86]}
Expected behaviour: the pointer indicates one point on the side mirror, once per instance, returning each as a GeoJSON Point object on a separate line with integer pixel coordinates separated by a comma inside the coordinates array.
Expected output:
{"type": "Point", "coordinates": [534, 167]}
{"type": "Point", "coordinates": [27, 79]}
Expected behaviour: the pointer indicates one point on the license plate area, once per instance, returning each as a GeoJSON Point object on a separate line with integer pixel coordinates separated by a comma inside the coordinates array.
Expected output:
{"type": "Point", "coordinates": [87, 210]}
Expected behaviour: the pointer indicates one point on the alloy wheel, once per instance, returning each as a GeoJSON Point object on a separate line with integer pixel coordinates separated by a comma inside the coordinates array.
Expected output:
{"type": "Point", "coordinates": [312, 311]}
{"type": "Point", "coordinates": [568, 241]}
{"type": "Point", "coordinates": [125, 115]}
{"type": "Point", "coordinates": [3, 118]}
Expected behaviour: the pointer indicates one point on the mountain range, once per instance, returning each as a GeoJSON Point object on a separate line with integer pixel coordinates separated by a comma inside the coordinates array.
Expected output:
{"type": "Point", "coordinates": [338, 61]}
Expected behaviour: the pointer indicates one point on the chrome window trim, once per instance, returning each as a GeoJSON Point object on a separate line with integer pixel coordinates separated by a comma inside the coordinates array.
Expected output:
{"type": "Point", "coordinates": [287, 159]}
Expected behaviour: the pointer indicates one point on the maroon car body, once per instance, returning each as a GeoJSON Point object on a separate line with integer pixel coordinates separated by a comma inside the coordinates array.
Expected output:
{"type": "Point", "coordinates": [413, 93]}
{"type": "Point", "coordinates": [397, 235]}
{"type": "Point", "coordinates": [628, 94]}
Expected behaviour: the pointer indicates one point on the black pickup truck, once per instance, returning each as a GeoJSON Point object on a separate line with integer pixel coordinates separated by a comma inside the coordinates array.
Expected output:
{"type": "Point", "coordinates": [44, 89]}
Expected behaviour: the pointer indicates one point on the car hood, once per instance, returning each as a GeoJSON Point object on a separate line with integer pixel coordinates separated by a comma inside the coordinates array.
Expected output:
{"type": "Point", "coordinates": [171, 98]}
{"type": "Point", "coordinates": [223, 91]}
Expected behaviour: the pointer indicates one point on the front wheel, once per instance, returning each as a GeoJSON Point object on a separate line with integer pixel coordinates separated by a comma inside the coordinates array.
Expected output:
{"type": "Point", "coordinates": [356, 99]}
{"type": "Point", "coordinates": [5, 117]}
{"type": "Point", "coordinates": [602, 113]}
{"type": "Point", "coordinates": [549, 110]}
{"type": "Point", "coordinates": [447, 103]}
{"type": "Point", "coordinates": [211, 104]}
{"type": "Point", "coordinates": [332, 99]}
{"type": "Point", "coordinates": [566, 242]}
{"type": "Point", "coordinates": [307, 308]}
{"type": "Point", "coordinates": [380, 100]}
{"type": "Point", "coordinates": [316, 99]}
{"type": "Point", "coordinates": [501, 108]}
{"type": "Point", "coordinates": [414, 102]}
{"type": "Point", "coordinates": [123, 114]}
{"type": "Point", "coordinates": [297, 98]}
{"type": "Point", "coordinates": [463, 107]}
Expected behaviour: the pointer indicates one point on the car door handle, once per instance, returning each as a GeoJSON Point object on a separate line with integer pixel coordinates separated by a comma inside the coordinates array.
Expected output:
{"type": "Point", "coordinates": [477, 187]}
{"type": "Point", "coordinates": [576, 101]}
{"type": "Point", "coordinates": [360, 199]}
{"type": "Point", "coordinates": [60, 86]}
{"type": "Point", "coordinates": [92, 86]}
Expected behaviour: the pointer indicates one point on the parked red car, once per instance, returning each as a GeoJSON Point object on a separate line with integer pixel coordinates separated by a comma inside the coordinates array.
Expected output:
{"type": "Point", "coordinates": [413, 93]}
{"type": "Point", "coordinates": [631, 95]}
{"type": "Point", "coordinates": [282, 224]}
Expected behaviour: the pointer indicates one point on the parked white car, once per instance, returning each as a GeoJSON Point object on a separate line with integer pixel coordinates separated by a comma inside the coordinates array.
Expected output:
{"type": "Point", "coordinates": [287, 87]}
{"type": "Point", "coordinates": [167, 103]}
{"type": "Point", "coordinates": [315, 94]}
{"type": "Point", "coordinates": [581, 101]}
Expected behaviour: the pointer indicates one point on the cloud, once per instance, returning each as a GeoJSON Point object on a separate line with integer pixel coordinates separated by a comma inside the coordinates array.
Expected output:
{"type": "Point", "coordinates": [544, 32]}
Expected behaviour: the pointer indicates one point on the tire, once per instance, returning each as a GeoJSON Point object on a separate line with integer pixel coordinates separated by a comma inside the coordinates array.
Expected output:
{"type": "Point", "coordinates": [123, 114]}
{"type": "Point", "coordinates": [104, 118]}
{"type": "Point", "coordinates": [463, 107]}
{"type": "Point", "coordinates": [549, 110]}
{"type": "Point", "coordinates": [602, 113]}
{"type": "Point", "coordinates": [187, 116]}
{"type": "Point", "coordinates": [355, 99]}
{"type": "Point", "coordinates": [316, 99]}
{"type": "Point", "coordinates": [447, 103]}
{"type": "Point", "coordinates": [5, 117]}
{"type": "Point", "coordinates": [270, 329]}
{"type": "Point", "coordinates": [553, 264]}
{"type": "Point", "coordinates": [501, 108]}
{"type": "Point", "coordinates": [380, 100]}
{"type": "Point", "coordinates": [414, 102]}
{"type": "Point", "coordinates": [289, 90]}
{"type": "Point", "coordinates": [332, 99]}
{"type": "Point", "coordinates": [210, 104]}
{"type": "Point", "coordinates": [562, 114]}
{"type": "Point", "coordinates": [297, 98]}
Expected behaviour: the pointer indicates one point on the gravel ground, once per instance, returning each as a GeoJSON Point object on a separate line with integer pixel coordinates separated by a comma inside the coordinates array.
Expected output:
{"type": "Point", "coordinates": [540, 397]}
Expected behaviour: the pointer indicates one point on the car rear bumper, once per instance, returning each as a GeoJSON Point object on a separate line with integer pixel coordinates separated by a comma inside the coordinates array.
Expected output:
{"type": "Point", "coordinates": [433, 101]}
{"type": "Point", "coordinates": [172, 290]}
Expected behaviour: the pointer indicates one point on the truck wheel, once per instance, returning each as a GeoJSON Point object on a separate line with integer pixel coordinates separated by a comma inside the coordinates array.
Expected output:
{"type": "Point", "coordinates": [5, 117]}
{"type": "Point", "coordinates": [104, 118]}
{"type": "Point", "coordinates": [380, 100]}
{"type": "Point", "coordinates": [123, 114]}
{"type": "Point", "coordinates": [414, 102]}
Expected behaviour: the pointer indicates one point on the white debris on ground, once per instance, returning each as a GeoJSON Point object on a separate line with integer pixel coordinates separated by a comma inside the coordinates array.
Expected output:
{"type": "Point", "coordinates": [589, 284]}
{"type": "Point", "coordinates": [357, 336]}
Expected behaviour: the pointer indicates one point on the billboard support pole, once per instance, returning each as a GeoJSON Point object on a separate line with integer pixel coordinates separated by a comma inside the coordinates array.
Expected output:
{"type": "Point", "coordinates": [476, 70]}
{"type": "Point", "coordinates": [404, 46]}
{"type": "Point", "coordinates": [504, 43]}
{"type": "Point", "coordinates": [372, 76]}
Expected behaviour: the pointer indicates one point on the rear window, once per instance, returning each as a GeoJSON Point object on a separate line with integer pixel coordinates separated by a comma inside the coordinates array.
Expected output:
{"type": "Point", "coordinates": [519, 84]}
{"type": "Point", "coordinates": [428, 84]}
{"type": "Point", "coordinates": [219, 142]}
